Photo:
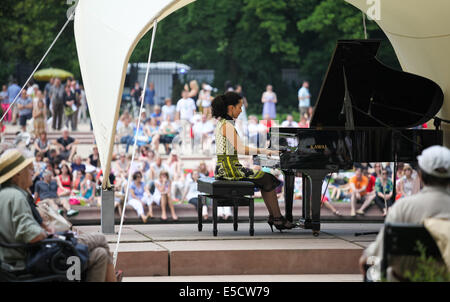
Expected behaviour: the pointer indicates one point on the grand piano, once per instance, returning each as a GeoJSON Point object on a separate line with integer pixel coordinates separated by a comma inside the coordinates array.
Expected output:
{"type": "Point", "coordinates": [365, 112]}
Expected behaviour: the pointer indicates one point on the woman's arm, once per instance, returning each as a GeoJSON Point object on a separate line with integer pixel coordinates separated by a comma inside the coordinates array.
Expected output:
{"type": "Point", "coordinates": [230, 133]}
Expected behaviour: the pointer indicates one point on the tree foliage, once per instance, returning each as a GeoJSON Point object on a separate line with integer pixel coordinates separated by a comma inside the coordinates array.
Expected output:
{"type": "Point", "coordinates": [244, 41]}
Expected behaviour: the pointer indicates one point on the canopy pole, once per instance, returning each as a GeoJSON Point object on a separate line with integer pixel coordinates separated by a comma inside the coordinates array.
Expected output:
{"type": "Point", "coordinates": [39, 64]}
{"type": "Point", "coordinates": [155, 23]}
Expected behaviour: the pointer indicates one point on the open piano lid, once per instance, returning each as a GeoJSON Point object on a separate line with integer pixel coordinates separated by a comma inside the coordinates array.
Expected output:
{"type": "Point", "coordinates": [380, 96]}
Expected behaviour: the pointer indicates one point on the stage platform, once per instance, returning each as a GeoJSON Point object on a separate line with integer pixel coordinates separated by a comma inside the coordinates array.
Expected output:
{"type": "Point", "coordinates": [178, 252]}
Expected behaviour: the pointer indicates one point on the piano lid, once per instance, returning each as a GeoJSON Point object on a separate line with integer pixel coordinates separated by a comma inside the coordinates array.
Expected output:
{"type": "Point", "coordinates": [380, 96]}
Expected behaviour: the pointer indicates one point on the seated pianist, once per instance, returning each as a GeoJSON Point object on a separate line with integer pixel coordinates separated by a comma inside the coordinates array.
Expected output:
{"type": "Point", "coordinates": [226, 108]}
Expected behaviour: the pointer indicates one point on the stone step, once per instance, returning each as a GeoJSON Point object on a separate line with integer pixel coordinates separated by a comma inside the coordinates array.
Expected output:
{"type": "Point", "coordinates": [188, 214]}
{"type": "Point", "coordinates": [180, 250]}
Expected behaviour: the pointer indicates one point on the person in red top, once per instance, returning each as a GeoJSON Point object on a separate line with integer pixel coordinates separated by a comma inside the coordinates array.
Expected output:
{"type": "Point", "coordinates": [370, 192]}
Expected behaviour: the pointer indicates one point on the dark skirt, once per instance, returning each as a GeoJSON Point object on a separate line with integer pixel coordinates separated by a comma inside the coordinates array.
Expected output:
{"type": "Point", "coordinates": [229, 168]}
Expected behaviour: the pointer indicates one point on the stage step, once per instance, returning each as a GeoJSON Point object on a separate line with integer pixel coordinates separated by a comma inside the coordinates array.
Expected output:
{"type": "Point", "coordinates": [180, 250]}
{"type": "Point", "coordinates": [188, 214]}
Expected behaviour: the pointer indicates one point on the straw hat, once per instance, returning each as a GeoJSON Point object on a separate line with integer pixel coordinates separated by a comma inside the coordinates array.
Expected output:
{"type": "Point", "coordinates": [11, 163]}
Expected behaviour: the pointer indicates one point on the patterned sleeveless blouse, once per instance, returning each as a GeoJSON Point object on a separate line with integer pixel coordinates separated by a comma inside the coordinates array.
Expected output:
{"type": "Point", "coordinates": [228, 166]}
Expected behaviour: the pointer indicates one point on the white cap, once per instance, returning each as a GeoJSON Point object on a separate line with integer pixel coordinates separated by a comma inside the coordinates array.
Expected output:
{"type": "Point", "coordinates": [435, 161]}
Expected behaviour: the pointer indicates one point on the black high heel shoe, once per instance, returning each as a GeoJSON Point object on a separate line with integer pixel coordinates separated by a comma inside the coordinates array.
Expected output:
{"type": "Point", "coordinates": [270, 222]}
{"type": "Point", "coordinates": [281, 223]}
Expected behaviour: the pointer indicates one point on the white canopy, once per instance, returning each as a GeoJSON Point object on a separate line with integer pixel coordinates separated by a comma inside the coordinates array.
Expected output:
{"type": "Point", "coordinates": [419, 31]}
{"type": "Point", "coordinates": [106, 33]}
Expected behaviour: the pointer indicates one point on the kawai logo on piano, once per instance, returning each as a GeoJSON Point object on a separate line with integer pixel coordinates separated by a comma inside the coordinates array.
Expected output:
{"type": "Point", "coordinates": [318, 147]}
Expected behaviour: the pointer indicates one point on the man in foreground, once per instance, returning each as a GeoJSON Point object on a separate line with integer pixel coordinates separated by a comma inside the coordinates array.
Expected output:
{"type": "Point", "coordinates": [432, 201]}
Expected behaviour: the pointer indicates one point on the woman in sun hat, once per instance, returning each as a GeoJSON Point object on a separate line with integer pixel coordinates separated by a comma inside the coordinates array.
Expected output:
{"type": "Point", "coordinates": [20, 221]}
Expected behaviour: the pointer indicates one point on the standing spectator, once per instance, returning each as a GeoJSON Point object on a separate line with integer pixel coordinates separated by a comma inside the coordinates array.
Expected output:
{"type": "Point", "coordinates": [304, 98]}
{"type": "Point", "coordinates": [25, 107]}
{"type": "Point", "coordinates": [384, 192]}
{"type": "Point", "coordinates": [269, 99]}
{"type": "Point", "coordinates": [40, 117]}
{"type": "Point", "coordinates": [150, 98]}
{"type": "Point", "coordinates": [4, 100]}
{"type": "Point", "coordinates": [13, 92]}
{"type": "Point", "coordinates": [136, 95]}
{"type": "Point", "coordinates": [256, 131]}
{"type": "Point", "coordinates": [205, 99]}
{"type": "Point", "coordinates": [185, 107]}
{"type": "Point", "coordinates": [67, 145]}
{"type": "Point", "coordinates": [82, 111]}
{"type": "Point", "coordinates": [70, 107]}
{"type": "Point", "coordinates": [242, 120]}
{"type": "Point", "coordinates": [168, 110]}
{"type": "Point", "coordinates": [47, 89]}
{"type": "Point", "coordinates": [409, 184]}
{"type": "Point", "coordinates": [192, 90]}
{"type": "Point", "coordinates": [358, 185]}
{"type": "Point", "coordinates": [57, 103]}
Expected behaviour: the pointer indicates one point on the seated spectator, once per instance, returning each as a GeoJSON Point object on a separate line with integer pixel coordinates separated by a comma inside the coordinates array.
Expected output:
{"type": "Point", "coordinates": [94, 158]}
{"type": "Point", "coordinates": [358, 185]}
{"type": "Point", "coordinates": [433, 201]}
{"type": "Point", "coordinates": [139, 196]}
{"type": "Point", "coordinates": [409, 184]}
{"type": "Point", "coordinates": [87, 188]}
{"type": "Point", "coordinates": [121, 166]}
{"type": "Point", "coordinates": [326, 198]}
{"type": "Point", "coordinates": [42, 144]}
{"type": "Point", "coordinates": [203, 131]}
{"type": "Point", "coordinates": [304, 121]}
{"type": "Point", "coordinates": [78, 165]}
{"type": "Point", "coordinates": [191, 193]}
{"type": "Point", "coordinates": [162, 195]}
{"type": "Point", "coordinates": [167, 131]}
{"type": "Point", "coordinates": [370, 192]}
{"type": "Point", "coordinates": [203, 170]}
{"type": "Point", "coordinates": [18, 212]}
{"type": "Point", "coordinates": [125, 133]}
{"type": "Point", "coordinates": [64, 181]}
{"type": "Point", "coordinates": [151, 130]}
{"type": "Point", "coordinates": [289, 122]}
{"type": "Point", "coordinates": [67, 145]}
{"type": "Point", "coordinates": [384, 192]}
{"type": "Point", "coordinates": [46, 191]}
{"type": "Point", "coordinates": [157, 167]}
{"type": "Point", "coordinates": [141, 137]}
{"type": "Point", "coordinates": [176, 176]}
{"type": "Point", "coordinates": [168, 111]}
{"type": "Point", "coordinates": [157, 115]}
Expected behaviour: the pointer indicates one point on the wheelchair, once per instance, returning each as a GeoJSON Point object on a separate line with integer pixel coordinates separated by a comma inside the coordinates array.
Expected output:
{"type": "Point", "coordinates": [55, 265]}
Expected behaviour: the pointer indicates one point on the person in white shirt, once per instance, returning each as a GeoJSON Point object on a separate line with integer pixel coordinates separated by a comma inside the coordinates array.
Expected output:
{"type": "Point", "coordinates": [203, 134]}
{"type": "Point", "coordinates": [185, 107]}
{"type": "Point", "coordinates": [168, 110]}
{"type": "Point", "coordinates": [191, 193]}
{"type": "Point", "coordinates": [256, 131]}
{"type": "Point", "coordinates": [304, 98]}
{"type": "Point", "coordinates": [289, 122]}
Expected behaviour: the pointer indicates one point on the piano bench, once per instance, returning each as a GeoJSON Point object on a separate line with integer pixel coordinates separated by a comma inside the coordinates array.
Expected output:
{"type": "Point", "coordinates": [226, 193]}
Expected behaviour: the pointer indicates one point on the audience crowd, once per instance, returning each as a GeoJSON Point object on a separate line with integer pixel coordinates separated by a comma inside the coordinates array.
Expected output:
{"type": "Point", "coordinates": [65, 178]}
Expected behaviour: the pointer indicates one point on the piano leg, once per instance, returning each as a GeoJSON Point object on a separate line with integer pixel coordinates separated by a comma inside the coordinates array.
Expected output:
{"type": "Point", "coordinates": [315, 178]}
{"type": "Point", "coordinates": [305, 221]}
{"type": "Point", "coordinates": [289, 178]}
